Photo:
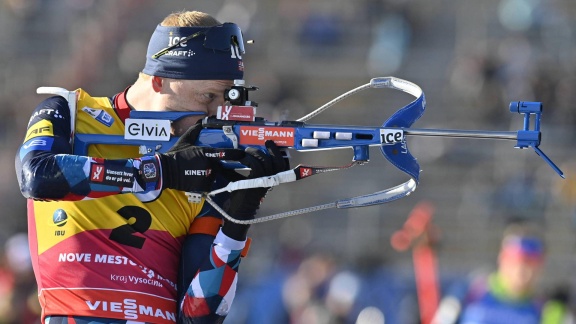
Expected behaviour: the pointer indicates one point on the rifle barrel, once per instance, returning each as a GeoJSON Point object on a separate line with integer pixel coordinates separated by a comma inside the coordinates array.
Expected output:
{"type": "Point", "coordinates": [461, 133]}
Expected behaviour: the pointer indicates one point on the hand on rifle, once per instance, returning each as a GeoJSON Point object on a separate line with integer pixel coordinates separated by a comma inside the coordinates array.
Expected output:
{"type": "Point", "coordinates": [244, 203]}
{"type": "Point", "coordinates": [191, 168]}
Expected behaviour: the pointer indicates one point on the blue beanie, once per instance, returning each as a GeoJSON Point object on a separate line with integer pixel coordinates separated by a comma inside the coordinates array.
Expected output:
{"type": "Point", "coordinates": [196, 53]}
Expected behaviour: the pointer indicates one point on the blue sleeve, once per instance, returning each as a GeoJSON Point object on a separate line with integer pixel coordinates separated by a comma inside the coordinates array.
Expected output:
{"type": "Point", "coordinates": [48, 134]}
{"type": "Point", "coordinates": [47, 170]}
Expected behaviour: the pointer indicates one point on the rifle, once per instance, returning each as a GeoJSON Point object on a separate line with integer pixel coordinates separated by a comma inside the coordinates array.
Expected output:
{"type": "Point", "coordinates": [236, 126]}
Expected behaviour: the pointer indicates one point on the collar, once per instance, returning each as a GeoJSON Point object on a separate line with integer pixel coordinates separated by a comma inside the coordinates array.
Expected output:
{"type": "Point", "coordinates": [121, 105]}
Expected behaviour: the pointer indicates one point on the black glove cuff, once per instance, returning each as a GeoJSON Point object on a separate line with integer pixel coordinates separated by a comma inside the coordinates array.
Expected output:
{"type": "Point", "coordinates": [243, 206]}
{"type": "Point", "coordinates": [235, 231]}
{"type": "Point", "coordinates": [165, 163]}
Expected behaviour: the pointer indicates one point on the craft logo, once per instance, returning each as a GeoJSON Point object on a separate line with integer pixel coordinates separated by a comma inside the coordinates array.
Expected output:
{"type": "Point", "coordinates": [173, 40]}
{"type": "Point", "coordinates": [391, 136]}
{"type": "Point", "coordinates": [47, 112]}
{"type": "Point", "coordinates": [147, 129]}
{"type": "Point", "coordinates": [187, 53]}
{"type": "Point", "coordinates": [254, 135]}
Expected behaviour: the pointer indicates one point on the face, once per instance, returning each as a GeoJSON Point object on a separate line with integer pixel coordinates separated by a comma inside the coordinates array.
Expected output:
{"type": "Point", "coordinates": [521, 272]}
{"type": "Point", "coordinates": [193, 95]}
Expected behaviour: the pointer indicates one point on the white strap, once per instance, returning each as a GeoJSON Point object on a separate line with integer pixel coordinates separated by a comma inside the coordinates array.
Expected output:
{"type": "Point", "coordinates": [263, 182]}
{"type": "Point", "coordinates": [379, 197]}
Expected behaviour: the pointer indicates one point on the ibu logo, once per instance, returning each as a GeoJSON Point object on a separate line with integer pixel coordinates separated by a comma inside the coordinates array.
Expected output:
{"type": "Point", "coordinates": [60, 217]}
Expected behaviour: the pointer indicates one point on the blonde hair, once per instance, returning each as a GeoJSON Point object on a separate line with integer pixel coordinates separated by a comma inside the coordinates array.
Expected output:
{"type": "Point", "coordinates": [189, 19]}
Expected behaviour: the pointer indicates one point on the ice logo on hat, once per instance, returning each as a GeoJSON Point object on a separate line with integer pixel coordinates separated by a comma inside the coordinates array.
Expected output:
{"type": "Point", "coordinates": [181, 42]}
{"type": "Point", "coordinates": [173, 40]}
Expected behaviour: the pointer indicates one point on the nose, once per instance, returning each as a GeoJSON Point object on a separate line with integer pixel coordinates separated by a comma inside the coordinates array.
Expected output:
{"type": "Point", "coordinates": [213, 109]}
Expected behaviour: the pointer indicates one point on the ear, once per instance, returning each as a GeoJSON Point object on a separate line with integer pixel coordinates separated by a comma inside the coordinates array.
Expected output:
{"type": "Point", "coordinates": [157, 83]}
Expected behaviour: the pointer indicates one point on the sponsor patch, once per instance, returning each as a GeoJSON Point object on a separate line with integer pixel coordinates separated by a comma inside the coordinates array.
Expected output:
{"type": "Point", "coordinates": [240, 113]}
{"type": "Point", "coordinates": [112, 175]}
{"type": "Point", "coordinates": [36, 144]}
{"type": "Point", "coordinates": [49, 112]}
{"type": "Point", "coordinates": [147, 129]}
{"type": "Point", "coordinates": [100, 115]}
{"type": "Point", "coordinates": [305, 172]}
{"type": "Point", "coordinates": [391, 136]}
{"type": "Point", "coordinates": [97, 173]}
{"type": "Point", "coordinates": [41, 128]}
{"type": "Point", "coordinates": [219, 155]}
{"type": "Point", "coordinates": [60, 217]}
{"type": "Point", "coordinates": [201, 173]}
{"type": "Point", "coordinates": [256, 135]}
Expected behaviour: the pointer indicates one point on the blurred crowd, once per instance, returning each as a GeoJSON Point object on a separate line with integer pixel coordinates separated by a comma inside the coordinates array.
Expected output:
{"type": "Point", "coordinates": [19, 302]}
{"type": "Point", "coordinates": [472, 58]}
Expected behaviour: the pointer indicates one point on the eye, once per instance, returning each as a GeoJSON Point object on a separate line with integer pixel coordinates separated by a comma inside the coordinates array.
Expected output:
{"type": "Point", "coordinates": [209, 96]}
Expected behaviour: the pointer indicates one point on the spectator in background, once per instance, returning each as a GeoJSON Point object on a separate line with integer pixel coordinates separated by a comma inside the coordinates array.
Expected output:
{"type": "Point", "coordinates": [506, 295]}
{"type": "Point", "coordinates": [18, 292]}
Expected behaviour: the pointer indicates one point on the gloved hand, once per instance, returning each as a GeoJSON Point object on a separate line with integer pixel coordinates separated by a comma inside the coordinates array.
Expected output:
{"type": "Point", "coordinates": [244, 203]}
{"type": "Point", "coordinates": [187, 167]}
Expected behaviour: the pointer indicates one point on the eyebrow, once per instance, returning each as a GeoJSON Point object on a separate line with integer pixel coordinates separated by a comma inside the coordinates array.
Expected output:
{"type": "Point", "coordinates": [219, 88]}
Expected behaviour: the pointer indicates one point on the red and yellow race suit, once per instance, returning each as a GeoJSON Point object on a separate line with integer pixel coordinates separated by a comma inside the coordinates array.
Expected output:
{"type": "Point", "coordinates": [102, 244]}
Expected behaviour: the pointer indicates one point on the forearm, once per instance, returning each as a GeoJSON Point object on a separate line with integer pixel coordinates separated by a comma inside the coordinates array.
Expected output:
{"type": "Point", "coordinates": [49, 176]}
{"type": "Point", "coordinates": [210, 294]}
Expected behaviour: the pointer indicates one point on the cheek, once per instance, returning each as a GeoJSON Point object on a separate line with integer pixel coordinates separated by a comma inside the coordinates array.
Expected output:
{"type": "Point", "coordinates": [521, 273]}
{"type": "Point", "coordinates": [181, 126]}
{"type": "Point", "coordinates": [213, 108]}
{"type": "Point", "coordinates": [183, 100]}
{"type": "Point", "coordinates": [188, 103]}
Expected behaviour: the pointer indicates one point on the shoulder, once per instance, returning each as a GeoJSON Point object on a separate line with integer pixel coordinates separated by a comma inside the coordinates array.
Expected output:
{"type": "Point", "coordinates": [54, 102]}
{"type": "Point", "coordinates": [55, 107]}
